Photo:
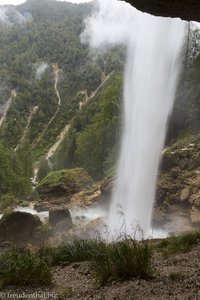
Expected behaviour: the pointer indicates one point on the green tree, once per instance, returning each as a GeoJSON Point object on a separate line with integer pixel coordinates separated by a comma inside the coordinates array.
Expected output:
{"type": "Point", "coordinates": [98, 140]}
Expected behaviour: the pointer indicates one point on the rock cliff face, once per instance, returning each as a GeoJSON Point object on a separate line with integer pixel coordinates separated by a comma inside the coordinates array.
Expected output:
{"type": "Point", "coordinates": [178, 186]}
{"type": "Point", "coordinates": [187, 10]}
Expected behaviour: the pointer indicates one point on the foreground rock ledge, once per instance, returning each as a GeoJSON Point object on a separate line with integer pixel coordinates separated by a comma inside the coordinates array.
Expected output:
{"type": "Point", "coordinates": [186, 10]}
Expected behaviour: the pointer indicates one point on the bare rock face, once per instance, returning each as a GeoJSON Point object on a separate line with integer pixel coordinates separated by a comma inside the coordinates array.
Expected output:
{"type": "Point", "coordinates": [186, 10]}
{"type": "Point", "coordinates": [18, 227]}
{"type": "Point", "coordinates": [60, 218]}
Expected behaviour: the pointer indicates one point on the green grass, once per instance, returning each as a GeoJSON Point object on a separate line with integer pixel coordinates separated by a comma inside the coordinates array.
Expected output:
{"type": "Point", "coordinates": [116, 261]}
{"type": "Point", "coordinates": [23, 267]}
{"type": "Point", "coordinates": [182, 243]}
{"type": "Point", "coordinates": [123, 260]}
{"type": "Point", "coordinates": [120, 260]}
{"type": "Point", "coordinates": [76, 251]}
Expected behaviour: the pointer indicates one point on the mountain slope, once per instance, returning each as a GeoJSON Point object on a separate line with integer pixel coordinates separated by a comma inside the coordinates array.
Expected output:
{"type": "Point", "coordinates": [29, 52]}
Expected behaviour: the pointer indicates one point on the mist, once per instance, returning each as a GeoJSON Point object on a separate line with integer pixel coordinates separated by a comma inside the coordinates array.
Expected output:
{"type": "Point", "coordinates": [40, 70]}
{"type": "Point", "coordinates": [10, 16]}
{"type": "Point", "coordinates": [110, 24]}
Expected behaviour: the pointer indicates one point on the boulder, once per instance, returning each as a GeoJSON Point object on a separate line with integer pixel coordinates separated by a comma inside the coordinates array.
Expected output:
{"type": "Point", "coordinates": [63, 184]}
{"type": "Point", "coordinates": [18, 227]}
{"type": "Point", "coordinates": [95, 227]}
{"type": "Point", "coordinates": [62, 217]}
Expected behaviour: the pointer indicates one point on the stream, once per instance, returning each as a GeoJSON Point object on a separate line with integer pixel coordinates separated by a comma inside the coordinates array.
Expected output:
{"type": "Point", "coordinates": [80, 216]}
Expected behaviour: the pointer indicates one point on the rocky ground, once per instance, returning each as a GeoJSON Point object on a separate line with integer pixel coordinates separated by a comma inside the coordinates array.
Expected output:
{"type": "Point", "coordinates": [176, 277]}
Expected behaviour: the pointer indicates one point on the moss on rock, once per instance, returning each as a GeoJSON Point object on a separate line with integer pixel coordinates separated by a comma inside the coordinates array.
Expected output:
{"type": "Point", "coordinates": [64, 182]}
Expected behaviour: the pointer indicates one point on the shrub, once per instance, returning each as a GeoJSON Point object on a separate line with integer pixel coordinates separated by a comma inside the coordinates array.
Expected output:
{"type": "Point", "coordinates": [21, 267]}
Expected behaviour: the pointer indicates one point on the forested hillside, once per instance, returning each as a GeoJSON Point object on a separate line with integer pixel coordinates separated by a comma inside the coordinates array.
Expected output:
{"type": "Point", "coordinates": [52, 83]}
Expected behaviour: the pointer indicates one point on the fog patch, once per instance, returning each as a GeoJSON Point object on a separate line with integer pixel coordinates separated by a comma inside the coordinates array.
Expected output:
{"type": "Point", "coordinates": [109, 25]}
{"type": "Point", "coordinates": [3, 17]}
{"type": "Point", "coordinates": [40, 70]}
{"type": "Point", "coordinates": [28, 17]}
{"type": "Point", "coordinates": [10, 16]}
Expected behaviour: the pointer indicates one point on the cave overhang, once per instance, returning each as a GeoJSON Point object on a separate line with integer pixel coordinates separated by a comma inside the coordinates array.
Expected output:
{"type": "Point", "coordinates": [188, 10]}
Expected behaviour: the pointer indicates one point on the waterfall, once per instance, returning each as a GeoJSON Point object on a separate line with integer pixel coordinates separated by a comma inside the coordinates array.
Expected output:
{"type": "Point", "coordinates": [151, 74]}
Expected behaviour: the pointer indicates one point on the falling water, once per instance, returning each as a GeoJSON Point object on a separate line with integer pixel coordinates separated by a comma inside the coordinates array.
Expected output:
{"type": "Point", "coordinates": [151, 75]}
{"type": "Point", "coordinates": [150, 84]}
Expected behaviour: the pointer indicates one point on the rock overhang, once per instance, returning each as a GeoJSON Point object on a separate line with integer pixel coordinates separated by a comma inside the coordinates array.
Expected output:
{"type": "Point", "coordinates": [188, 10]}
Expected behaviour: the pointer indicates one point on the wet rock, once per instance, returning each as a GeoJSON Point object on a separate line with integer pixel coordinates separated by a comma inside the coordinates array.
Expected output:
{"type": "Point", "coordinates": [18, 227]}
{"type": "Point", "coordinates": [62, 217]}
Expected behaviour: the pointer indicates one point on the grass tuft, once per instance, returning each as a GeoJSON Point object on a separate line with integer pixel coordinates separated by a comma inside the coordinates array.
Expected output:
{"type": "Point", "coordinates": [182, 243]}
{"type": "Point", "coordinates": [117, 261]}
{"type": "Point", "coordinates": [76, 251]}
{"type": "Point", "coordinates": [123, 260]}
{"type": "Point", "coordinates": [22, 267]}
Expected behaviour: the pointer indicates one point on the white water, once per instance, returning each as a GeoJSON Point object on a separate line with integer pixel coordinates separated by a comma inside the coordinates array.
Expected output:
{"type": "Point", "coordinates": [150, 85]}
{"type": "Point", "coordinates": [43, 215]}
{"type": "Point", "coordinates": [151, 75]}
